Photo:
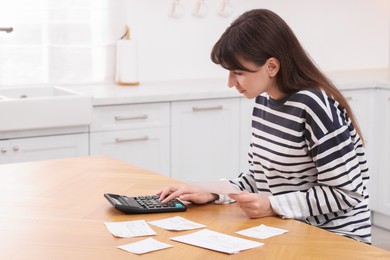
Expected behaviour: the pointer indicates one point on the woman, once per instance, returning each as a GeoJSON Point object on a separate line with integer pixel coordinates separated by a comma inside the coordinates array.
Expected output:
{"type": "Point", "coordinates": [306, 156]}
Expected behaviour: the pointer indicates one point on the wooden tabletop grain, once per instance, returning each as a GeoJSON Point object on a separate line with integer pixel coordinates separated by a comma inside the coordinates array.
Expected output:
{"type": "Point", "coordinates": [56, 210]}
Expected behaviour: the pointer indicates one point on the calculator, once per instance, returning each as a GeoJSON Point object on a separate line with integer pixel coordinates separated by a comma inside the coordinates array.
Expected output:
{"type": "Point", "coordinates": [143, 204]}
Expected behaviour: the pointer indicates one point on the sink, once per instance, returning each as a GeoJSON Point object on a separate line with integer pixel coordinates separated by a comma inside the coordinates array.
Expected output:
{"type": "Point", "coordinates": [34, 92]}
{"type": "Point", "coordinates": [24, 108]}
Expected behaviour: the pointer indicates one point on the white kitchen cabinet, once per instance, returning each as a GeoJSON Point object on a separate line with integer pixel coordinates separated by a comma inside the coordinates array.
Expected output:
{"type": "Point", "coordinates": [43, 148]}
{"type": "Point", "coordinates": [205, 139]}
{"type": "Point", "coordinates": [138, 134]}
{"type": "Point", "coordinates": [246, 106]}
{"type": "Point", "coordinates": [381, 180]}
{"type": "Point", "coordinates": [146, 148]}
{"type": "Point", "coordinates": [372, 109]}
{"type": "Point", "coordinates": [363, 104]}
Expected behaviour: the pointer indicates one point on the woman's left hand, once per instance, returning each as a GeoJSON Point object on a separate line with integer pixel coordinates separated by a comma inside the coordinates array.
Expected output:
{"type": "Point", "coordinates": [254, 205]}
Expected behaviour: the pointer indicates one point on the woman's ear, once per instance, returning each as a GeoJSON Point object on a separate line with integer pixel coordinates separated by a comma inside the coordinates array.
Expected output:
{"type": "Point", "coordinates": [273, 67]}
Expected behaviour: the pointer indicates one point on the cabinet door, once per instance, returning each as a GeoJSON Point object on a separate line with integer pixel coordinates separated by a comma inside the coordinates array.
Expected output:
{"type": "Point", "coordinates": [382, 176]}
{"type": "Point", "coordinates": [363, 104]}
{"type": "Point", "coordinates": [146, 148]}
{"type": "Point", "coordinates": [48, 147]}
{"type": "Point", "coordinates": [205, 139]}
{"type": "Point", "coordinates": [245, 131]}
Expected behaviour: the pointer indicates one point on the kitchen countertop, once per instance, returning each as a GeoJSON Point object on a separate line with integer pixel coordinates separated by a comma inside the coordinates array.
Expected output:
{"type": "Point", "coordinates": [162, 91]}
{"type": "Point", "coordinates": [361, 79]}
{"type": "Point", "coordinates": [180, 90]}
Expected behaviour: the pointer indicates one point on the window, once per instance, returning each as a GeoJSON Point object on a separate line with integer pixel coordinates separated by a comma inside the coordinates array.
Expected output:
{"type": "Point", "coordinates": [59, 41]}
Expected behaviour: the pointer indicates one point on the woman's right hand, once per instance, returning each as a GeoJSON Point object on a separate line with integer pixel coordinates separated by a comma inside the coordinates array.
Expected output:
{"type": "Point", "coordinates": [186, 193]}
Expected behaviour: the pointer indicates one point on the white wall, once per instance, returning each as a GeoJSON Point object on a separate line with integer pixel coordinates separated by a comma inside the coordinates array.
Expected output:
{"type": "Point", "coordinates": [339, 35]}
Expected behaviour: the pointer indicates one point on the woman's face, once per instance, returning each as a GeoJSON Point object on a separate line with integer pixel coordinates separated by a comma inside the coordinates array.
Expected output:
{"type": "Point", "coordinates": [261, 79]}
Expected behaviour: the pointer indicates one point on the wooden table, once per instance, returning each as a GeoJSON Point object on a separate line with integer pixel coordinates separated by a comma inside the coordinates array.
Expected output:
{"type": "Point", "coordinates": [56, 209]}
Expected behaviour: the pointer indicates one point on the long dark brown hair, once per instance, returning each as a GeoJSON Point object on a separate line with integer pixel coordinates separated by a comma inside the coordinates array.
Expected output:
{"type": "Point", "coordinates": [260, 34]}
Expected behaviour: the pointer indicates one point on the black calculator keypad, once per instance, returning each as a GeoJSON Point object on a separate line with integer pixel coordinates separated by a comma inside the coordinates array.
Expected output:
{"type": "Point", "coordinates": [152, 202]}
{"type": "Point", "coordinates": [143, 204]}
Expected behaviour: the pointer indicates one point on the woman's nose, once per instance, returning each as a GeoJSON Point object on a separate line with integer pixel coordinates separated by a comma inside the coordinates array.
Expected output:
{"type": "Point", "coordinates": [231, 80]}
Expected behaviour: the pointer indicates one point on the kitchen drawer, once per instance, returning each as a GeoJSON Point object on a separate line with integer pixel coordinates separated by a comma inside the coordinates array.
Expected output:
{"type": "Point", "coordinates": [146, 148]}
{"type": "Point", "coordinates": [109, 118]}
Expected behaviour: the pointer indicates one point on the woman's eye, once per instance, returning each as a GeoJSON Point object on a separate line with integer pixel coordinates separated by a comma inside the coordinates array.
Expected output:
{"type": "Point", "coordinates": [238, 73]}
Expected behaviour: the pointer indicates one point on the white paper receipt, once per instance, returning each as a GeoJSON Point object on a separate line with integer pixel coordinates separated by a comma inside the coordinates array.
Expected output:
{"type": "Point", "coordinates": [144, 246]}
{"type": "Point", "coordinates": [176, 223]}
{"type": "Point", "coordinates": [217, 241]}
{"type": "Point", "coordinates": [134, 228]}
{"type": "Point", "coordinates": [217, 187]}
{"type": "Point", "coordinates": [262, 232]}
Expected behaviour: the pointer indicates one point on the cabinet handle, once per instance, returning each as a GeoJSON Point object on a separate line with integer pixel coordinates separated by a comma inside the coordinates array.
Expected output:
{"type": "Point", "coordinates": [15, 148]}
{"type": "Point", "coordinates": [3, 150]}
{"type": "Point", "coordinates": [132, 139]}
{"type": "Point", "coordinates": [122, 118]}
{"type": "Point", "coordinates": [197, 109]}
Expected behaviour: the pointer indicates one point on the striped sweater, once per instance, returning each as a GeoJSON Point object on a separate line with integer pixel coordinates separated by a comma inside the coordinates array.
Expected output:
{"type": "Point", "coordinates": [307, 157]}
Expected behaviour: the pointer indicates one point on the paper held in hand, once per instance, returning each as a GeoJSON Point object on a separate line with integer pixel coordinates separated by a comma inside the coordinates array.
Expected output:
{"type": "Point", "coordinates": [217, 187]}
